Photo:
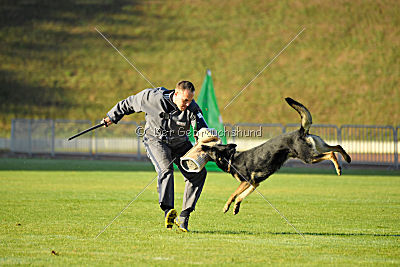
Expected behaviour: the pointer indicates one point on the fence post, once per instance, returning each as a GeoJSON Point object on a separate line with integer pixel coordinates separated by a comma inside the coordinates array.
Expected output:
{"type": "Point", "coordinates": [396, 152]}
{"type": "Point", "coordinates": [30, 137]}
{"type": "Point", "coordinates": [53, 138]}
{"type": "Point", "coordinates": [96, 147]}
{"type": "Point", "coordinates": [12, 149]}
{"type": "Point", "coordinates": [234, 133]}
{"type": "Point", "coordinates": [91, 142]}
{"type": "Point", "coordinates": [339, 141]}
{"type": "Point", "coordinates": [139, 154]}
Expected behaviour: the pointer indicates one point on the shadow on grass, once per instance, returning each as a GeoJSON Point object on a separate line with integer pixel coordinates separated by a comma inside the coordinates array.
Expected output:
{"type": "Point", "coordinates": [227, 232]}
{"type": "Point", "coordinates": [335, 234]}
{"type": "Point", "coordinates": [241, 232]}
{"type": "Point", "coordinates": [124, 165]}
{"type": "Point", "coordinates": [7, 164]}
{"type": "Point", "coordinates": [41, 33]}
{"type": "Point", "coordinates": [362, 170]}
{"type": "Point", "coordinates": [22, 96]}
{"type": "Point", "coordinates": [68, 12]}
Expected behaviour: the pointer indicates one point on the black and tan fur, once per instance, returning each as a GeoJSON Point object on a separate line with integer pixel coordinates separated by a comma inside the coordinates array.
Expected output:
{"type": "Point", "coordinates": [253, 166]}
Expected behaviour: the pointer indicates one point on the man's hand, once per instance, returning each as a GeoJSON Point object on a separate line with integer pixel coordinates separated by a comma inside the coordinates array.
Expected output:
{"type": "Point", "coordinates": [106, 121]}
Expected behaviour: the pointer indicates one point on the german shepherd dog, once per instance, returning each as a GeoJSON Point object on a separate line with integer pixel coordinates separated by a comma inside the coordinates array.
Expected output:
{"type": "Point", "coordinates": [253, 166]}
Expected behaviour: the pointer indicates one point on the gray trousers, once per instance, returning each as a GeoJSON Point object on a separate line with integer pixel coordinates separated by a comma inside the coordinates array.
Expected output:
{"type": "Point", "coordinates": [162, 155]}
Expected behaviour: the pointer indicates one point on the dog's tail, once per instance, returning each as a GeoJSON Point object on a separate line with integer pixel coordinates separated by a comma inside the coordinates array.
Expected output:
{"type": "Point", "coordinates": [306, 119]}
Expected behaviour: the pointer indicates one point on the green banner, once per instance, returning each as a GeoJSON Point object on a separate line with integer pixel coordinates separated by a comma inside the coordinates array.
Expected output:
{"type": "Point", "coordinates": [208, 104]}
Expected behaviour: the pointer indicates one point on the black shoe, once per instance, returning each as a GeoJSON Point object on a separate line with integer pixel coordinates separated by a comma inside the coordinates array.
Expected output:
{"type": "Point", "coordinates": [182, 223]}
{"type": "Point", "coordinates": [170, 217]}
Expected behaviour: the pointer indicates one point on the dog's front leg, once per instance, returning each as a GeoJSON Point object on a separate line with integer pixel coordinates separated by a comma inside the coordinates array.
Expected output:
{"type": "Point", "coordinates": [329, 156]}
{"type": "Point", "coordinates": [243, 195]}
{"type": "Point", "coordinates": [232, 198]}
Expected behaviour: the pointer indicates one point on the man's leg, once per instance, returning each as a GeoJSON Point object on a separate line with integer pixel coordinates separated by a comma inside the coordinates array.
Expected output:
{"type": "Point", "coordinates": [160, 155]}
{"type": "Point", "coordinates": [193, 188]}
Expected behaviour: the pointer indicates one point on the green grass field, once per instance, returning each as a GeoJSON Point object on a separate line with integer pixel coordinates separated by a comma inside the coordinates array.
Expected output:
{"type": "Point", "coordinates": [60, 205]}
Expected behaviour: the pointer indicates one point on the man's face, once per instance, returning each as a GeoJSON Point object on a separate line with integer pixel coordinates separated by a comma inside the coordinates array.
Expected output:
{"type": "Point", "coordinates": [183, 98]}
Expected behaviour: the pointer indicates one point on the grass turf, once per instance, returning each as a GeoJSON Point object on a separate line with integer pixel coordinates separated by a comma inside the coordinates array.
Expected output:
{"type": "Point", "coordinates": [343, 67]}
{"type": "Point", "coordinates": [60, 206]}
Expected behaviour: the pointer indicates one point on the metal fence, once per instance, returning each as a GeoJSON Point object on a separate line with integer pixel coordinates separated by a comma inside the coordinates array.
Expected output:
{"type": "Point", "coordinates": [122, 140]}
{"type": "Point", "coordinates": [49, 137]}
{"type": "Point", "coordinates": [248, 135]}
{"type": "Point", "coordinates": [366, 144]}
{"type": "Point", "coordinates": [371, 144]}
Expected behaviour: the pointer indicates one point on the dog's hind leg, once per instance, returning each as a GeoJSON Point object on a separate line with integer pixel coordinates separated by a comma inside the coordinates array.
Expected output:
{"type": "Point", "coordinates": [328, 156]}
{"type": "Point", "coordinates": [243, 186]}
{"type": "Point", "coordinates": [340, 150]}
{"type": "Point", "coordinates": [242, 196]}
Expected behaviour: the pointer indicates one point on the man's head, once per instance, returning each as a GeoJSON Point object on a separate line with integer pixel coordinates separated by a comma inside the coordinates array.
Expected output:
{"type": "Point", "coordinates": [184, 94]}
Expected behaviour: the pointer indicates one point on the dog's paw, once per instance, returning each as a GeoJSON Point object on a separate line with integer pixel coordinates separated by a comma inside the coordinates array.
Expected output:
{"type": "Point", "coordinates": [226, 208]}
{"type": "Point", "coordinates": [339, 171]}
{"type": "Point", "coordinates": [236, 208]}
{"type": "Point", "coordinates": [347, 158]}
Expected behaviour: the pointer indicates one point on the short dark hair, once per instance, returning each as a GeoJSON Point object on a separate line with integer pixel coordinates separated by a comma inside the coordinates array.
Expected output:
{"type": "Point", "coordinates": [185, 85]}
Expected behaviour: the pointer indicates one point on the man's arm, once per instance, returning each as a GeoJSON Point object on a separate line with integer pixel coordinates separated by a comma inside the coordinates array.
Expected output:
{"type": "Point", "coordinates": [132, 104]}
{"type": "Point", "coordinates": [197, 119]}
{"type": "Point", "coordinates": [200, 121]}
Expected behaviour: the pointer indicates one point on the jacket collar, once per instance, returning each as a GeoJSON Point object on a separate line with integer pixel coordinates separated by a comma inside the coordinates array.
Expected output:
{"type": "Point", "coordinates": [169, 95]}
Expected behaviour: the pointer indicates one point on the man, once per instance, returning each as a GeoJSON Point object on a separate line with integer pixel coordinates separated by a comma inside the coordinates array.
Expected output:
{"type": "Point", "coordinates": [169, 114]}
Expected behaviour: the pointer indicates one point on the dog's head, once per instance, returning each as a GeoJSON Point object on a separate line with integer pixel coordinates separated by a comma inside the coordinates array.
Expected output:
{"type": "Point", "coordinates": [220, 154]}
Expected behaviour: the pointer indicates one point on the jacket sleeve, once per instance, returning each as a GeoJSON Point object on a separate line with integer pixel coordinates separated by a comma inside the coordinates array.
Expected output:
{"type": "Point", "coordinates": [132, 104]}
{"type": "Point", "coordinates": [198, 119]}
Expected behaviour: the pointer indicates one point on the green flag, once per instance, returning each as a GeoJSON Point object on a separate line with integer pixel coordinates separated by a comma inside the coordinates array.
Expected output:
{"type": "Point", "coordinates": [208, 104]}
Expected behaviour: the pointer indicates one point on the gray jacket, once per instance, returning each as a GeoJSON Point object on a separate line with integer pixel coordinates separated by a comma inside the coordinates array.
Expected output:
{"type": "Point", "coordinates": [163, 118]}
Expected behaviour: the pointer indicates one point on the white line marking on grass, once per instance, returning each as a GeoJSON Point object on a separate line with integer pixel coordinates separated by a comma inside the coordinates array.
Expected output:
{"type": "Point", "coordinates": [162, 258]}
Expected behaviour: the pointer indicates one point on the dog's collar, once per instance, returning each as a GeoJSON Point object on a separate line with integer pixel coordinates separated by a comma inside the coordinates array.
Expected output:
{"type": "Point", "coordinates": [230, 163]}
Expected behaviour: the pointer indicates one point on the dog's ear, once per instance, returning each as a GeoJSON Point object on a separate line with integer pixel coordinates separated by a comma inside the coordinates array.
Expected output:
{"type": "Point", "coordinates": [226, 149]}
{"type": "Point", "coordinates": [206, 148]}
{"type": "Point", "coordinates": [231, 146]}
{"type": "Point", "coordinates": [230, 149]}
